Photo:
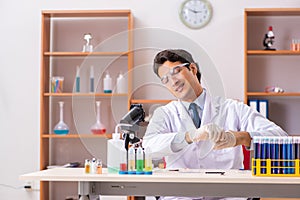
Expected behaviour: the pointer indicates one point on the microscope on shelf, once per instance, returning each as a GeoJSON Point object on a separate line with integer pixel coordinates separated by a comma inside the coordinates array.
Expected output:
{"type": "Point", "coordinates": [269, 39]}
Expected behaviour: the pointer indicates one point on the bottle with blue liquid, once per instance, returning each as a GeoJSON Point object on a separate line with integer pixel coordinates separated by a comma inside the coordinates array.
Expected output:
{"type": "Point", "coordinates": [61, 128]}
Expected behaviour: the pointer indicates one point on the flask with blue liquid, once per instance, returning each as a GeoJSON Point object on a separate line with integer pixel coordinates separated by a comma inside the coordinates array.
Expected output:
{"type": "Point", "coordinates": [61, 127]}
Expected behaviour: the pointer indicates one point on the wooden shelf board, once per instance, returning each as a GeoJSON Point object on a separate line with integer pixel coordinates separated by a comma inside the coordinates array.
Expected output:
{"type": "Point", "coordinates": [272, 11]}
{"type": "Point", "coordinates": [150, 101]}
{"type": "Point", "coordinates": [285, 94]}
{"type": "Point", "coordinates": [87, 13]}
{"type": "Point", "coordinates": [84, 94]}
{"type": "Point", "coordinates": [277, 52]}
{"type": "Point", "coordinates": [65, 53]}
{"type": "Point", "coordinates": [73, 135]}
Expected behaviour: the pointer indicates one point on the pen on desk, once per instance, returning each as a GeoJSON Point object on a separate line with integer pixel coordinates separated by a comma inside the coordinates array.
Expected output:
{"type": "Point", "coordinates": [173, 170]}
{"type": "Point", "coordinates": [214, 172]}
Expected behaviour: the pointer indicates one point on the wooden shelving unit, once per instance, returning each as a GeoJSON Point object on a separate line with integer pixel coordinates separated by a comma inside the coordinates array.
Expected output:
{"type": "Point", "coordinates": [61, 46]}
{"type": "Point", "coordinates": [278, 68]}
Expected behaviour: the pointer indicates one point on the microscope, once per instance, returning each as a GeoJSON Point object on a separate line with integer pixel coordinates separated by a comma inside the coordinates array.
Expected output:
{"type": "Point", "coordinates": [269, 39]}
{"type": "Point", "coordinates": [131, 123]}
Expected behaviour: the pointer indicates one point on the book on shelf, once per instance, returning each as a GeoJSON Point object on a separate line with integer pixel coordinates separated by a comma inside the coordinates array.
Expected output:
{"type": "Point", "coordinates": [261, 105]}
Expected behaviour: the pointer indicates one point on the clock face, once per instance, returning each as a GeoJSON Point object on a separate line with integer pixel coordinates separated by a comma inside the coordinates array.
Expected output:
{"type": "Point", "coordinates": [195, 13]}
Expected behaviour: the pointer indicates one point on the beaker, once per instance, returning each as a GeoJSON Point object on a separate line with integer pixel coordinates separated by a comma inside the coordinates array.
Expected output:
{"type": "Point", "coordinates": [98, 127]}
{"type": "Point", "coordinates": [61, 128]}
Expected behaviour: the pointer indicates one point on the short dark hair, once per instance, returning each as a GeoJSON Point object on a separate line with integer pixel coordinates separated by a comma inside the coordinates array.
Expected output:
{"type": "Point", "coordinates": [174, 55]}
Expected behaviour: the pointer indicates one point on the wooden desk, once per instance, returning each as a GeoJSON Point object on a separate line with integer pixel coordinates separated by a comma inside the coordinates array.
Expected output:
{"type": "Point", "coordinates": [234, 183]}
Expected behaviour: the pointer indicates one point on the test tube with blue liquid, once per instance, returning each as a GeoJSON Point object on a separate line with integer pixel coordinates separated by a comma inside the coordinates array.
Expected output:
{"type": "Point", "coordinates": [285, 155]}
{"type": "Point", "coordinates": [296, 147]}
{"type": "Point", "coordinates": [264, 154]}
{"type": "Point", "coordinates": [290, 156]}
{"type": "Point", "coordinates": [256, 142]}
{"type": "Point", "coordinates": [281, 154]}
{"type": "Point", "coordinates": [274, 154]}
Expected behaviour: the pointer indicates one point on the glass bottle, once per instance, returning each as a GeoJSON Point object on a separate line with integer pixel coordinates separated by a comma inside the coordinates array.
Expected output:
{"type": "Point", "coordinates": [98, 127]}
{"type": "Point", "coordinates": [61, 128]}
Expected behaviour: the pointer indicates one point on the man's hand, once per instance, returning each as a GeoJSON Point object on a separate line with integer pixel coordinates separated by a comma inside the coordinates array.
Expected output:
{"type": "Point", "coordinates": [214, 133]}
{"type": "Point", "coordinates": [228, 140]}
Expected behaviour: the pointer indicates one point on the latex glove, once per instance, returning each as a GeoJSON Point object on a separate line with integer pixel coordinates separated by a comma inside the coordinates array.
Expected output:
{"type": "Point", "coordinates": [208, 132]}
{"type": "Point", "coordinates": [228, 140]}
{"type": "Point", "coordinates": [216, 134]}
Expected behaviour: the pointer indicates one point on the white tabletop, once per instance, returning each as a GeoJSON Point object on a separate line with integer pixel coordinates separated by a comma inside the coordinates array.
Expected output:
{"type": "Point", "coordinates": [184, 176]}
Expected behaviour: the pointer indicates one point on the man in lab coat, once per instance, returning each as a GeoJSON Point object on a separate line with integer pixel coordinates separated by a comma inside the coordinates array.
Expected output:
{"type": "Point", "coordinates": [226, 124]}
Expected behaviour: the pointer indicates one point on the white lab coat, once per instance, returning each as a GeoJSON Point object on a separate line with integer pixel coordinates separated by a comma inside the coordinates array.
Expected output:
{"type": "Point", "coordinates": [229, 114]}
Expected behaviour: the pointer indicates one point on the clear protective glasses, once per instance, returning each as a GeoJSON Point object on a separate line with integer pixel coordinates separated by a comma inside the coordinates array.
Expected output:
{"type": "Point", "coordinates": [175, 70]}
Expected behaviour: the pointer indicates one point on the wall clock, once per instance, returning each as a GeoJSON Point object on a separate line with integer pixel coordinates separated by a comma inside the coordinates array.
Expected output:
{"type": "Point", "coordinates": [195, 14]}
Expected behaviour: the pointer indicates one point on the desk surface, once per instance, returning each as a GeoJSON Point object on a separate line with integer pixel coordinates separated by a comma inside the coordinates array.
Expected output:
{"type": "Point", "coordinates": [234, 183]}
{"type": "Point", "coordinates": [165, 176]}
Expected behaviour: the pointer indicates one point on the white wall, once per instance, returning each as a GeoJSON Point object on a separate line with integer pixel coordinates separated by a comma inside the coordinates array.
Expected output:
{"type": "Point", "coordinates": [222, 39]}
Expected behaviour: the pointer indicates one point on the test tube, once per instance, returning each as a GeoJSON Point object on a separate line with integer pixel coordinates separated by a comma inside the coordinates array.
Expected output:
{"type": "Point", "coordinates": [272, 154]}
{"type": "Point", "coordinates": [290, 156]}
{"type": "Point", "coordinates": [139, 160]}
{"type": "Point", "coordinates": [123, 162]}
{"type": "Point", "coordinates": [131, 160]}
{"type": "Point", "coordinates": [296, 142]}
{"type": "Point", "coordinates": [92, 89]}
{"type": "Point", "coordinates": [263, 155]}
{"type": "Point", "coordinates": [285, 156]}
{"type": "Point", "coordinates": [274, 146]}
{"type": "Point", "coordinates": [148, 161]}
{"type": "Point", "coordinates": [77, 80]}
{"type": "Point", "coordinates": [256, 142]}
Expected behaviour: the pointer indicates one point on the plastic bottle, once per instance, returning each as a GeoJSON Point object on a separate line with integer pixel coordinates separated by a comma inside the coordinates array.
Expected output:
{"type": "Point", "coordinates": [139, 160]}
{"type": "Point", "coordinates": [107, 83]}
{"type": "Point", "coordinates": [121, 84]}
{"type": "Point", "coordinates": [148, 161]}
{"type": "Point", "coordinates": [115, 148]}
{"type": "Point", "coordinates": [131, 160]}
{"type": "Point", "coordinates": [93, 166]}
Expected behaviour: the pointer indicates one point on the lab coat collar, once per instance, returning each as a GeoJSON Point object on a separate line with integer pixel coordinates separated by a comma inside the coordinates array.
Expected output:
{"type": "Point", "coordinates": [211, 109]}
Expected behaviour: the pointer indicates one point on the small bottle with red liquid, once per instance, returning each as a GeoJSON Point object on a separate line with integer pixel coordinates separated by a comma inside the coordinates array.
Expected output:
{"type": "Point", "coordinates": [98, 127]}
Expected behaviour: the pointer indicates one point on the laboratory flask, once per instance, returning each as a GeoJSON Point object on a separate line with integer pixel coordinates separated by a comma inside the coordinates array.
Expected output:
{"type": "Point", "coordinates": [98, 127]}
{"type": "Point", "coordinates": [61, 127]}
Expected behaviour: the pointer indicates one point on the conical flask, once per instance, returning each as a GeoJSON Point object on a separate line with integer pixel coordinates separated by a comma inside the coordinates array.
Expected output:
{"type": "Point", "coordinates": [61, 128]}
{"type": "Point", "coordinates": [98, 127]}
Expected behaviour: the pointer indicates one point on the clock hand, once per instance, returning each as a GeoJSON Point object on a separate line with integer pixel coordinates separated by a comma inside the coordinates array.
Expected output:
{"type": "Point", "coordinates": [194, 11]}
{"type": "Point", "coordinates": [198, 11]}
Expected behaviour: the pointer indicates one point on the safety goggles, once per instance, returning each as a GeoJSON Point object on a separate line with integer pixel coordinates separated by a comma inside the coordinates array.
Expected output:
{"type": "Point", "coordinates": [175, 70]}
